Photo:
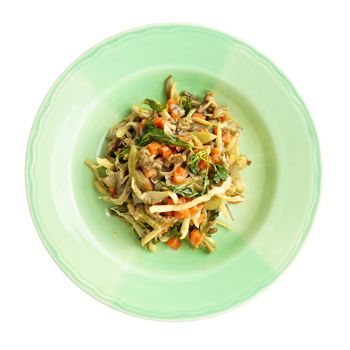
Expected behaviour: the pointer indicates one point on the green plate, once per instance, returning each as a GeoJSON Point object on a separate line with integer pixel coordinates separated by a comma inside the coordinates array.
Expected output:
{"type": "Point", "coordinates": [99, 253]}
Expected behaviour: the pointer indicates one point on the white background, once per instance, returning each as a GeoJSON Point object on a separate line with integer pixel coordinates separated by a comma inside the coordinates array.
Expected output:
{"type": "Point", "coordinates": [306, 308]}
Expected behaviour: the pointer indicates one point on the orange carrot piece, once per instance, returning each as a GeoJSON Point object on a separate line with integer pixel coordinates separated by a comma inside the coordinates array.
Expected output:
{"type": "Point", "coordinates": [215, 154]}
{"type": "Point", "coordinates": [174, 243]}
{"type": "Point", "coordinates": [203, 164]}
{"type": "Point", "coordinates": [153, 147]}
{"type": "Point", "coordinates": [226, 137]}
{"type": "Point", "coordinates": [159, 123]}
{"type": "Point", "coordinates": [196, 209]}
{"type": "Point", "coordinates": [196, 238]}
{"type": "Point", "coordinates": [179, 175]}
{"type": "Point", "coordinates": [172, 102]}
{"type": "Point", "coordinates": [165, 151]}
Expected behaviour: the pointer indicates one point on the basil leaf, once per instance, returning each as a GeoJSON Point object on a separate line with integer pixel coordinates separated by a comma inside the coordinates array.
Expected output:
{"type": "Point", "coordinates": [186, 103]}
{"type": "Point", "coordinates": [174, 232]}
{"type": "Point", "coordinates": [155, 105]}
{"type": "Point", "coordinates": [193, 163]}
{"type": "Point", "coordinates": [186, 192]}
{"type": "Point", "coordinates": [152, 133]}
{"type": "Point", "coordinates": [220, 173]}
{"type": "Point", "coordinates": [205, 184]}
{"type": "Point", "coordinates": [121, 153]}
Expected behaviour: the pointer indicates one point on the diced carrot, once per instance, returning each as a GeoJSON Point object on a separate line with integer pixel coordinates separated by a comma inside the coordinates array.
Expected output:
{"type": "Point", "coordinates": [174, 243]}
{"type": "Point", "coordinates": [198, 115]}
{"type": "Point", "coordinates": [159, 123]}
{"type": "Point", "coordinates": [203, 164]}
{"type": "Point", "coordinates": [179, 175]}
{"type": "Point", "coordinates": [196, 238]}
{"type": "Point", "coordinates": [215, 155]}
{"type": "Point", "coordinates": [148, 187]}
{"type": "Point", "coordinates": [226, 137]}
{"type": "Point", "coordinates": [181, 214]}
{"type": "Point", "coordinates": [112, 190]}
{"type": "Point", "coordinates": [196, 209]}
{"type": "Point", "coordinates": [215, 152]}
{"type": "Point", "coordinates": [153, 147]}
{"type": "Point", "coordinates": [150, 172]}
{"type": "Point", "coordinates": [170, 201]}
{"type": "Point", "coordinates": [165, 151]}
{"type": "Point", "coordinates": [172, 102]}
{"type": "Point", "coordinates": [215, 130]}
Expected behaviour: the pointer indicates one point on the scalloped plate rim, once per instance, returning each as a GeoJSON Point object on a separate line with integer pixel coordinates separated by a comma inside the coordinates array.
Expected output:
{"type": "Point", "coordinates": [93, 290]}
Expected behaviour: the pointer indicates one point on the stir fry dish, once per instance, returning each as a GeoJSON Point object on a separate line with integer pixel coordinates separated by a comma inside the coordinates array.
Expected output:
{"type": "Point", "coordinates": [169, 169]}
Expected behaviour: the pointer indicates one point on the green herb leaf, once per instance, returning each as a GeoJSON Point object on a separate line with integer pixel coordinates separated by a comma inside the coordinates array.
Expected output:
{"type": "Point", "coordinates": [152, 133]}
{"type": "Point", "coordinates": [121, 153]}
{"type": "Point", "coordinates": [193, 163]}
{"type": "Point", "coordinates": [220, 173]}
{"type": "Point", "coordinates": [186, 192]}
{"type": "Point", "coordinates": [155, 105]}
{"type": "Point", "coordinates": [205, 184]}
{"type": "Point", "coordinates": [174, 232]}
{"type": "Point", "coordinates": [149, 126]}
{"type": "Point", "coordinates": [185, 103]}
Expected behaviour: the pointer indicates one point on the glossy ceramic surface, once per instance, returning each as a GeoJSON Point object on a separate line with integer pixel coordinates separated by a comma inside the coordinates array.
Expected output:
{"type": "Point", "coordinates": [99, 253]}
